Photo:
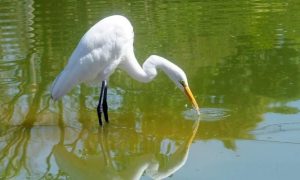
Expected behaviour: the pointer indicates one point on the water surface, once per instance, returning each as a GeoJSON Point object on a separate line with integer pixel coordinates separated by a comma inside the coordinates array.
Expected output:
{"type": "Point", "coordinates": [242, 60]}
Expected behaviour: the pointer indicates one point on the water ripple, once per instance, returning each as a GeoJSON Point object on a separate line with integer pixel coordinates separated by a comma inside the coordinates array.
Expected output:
{"type": "Point", "coordinates": [208, 114]}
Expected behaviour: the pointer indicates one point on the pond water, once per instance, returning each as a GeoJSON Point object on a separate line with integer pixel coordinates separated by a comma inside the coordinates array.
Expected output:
{"type": "Point", "coordinates": [243, 64]}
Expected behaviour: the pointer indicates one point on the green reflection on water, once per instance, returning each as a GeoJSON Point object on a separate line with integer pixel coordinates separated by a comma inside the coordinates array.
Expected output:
{"type": "Point", "coordinates": [242, 60]}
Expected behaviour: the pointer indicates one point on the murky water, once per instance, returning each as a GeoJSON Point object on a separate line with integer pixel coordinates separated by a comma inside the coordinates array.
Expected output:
{"type": "Point", "coordinates": [243, 64]}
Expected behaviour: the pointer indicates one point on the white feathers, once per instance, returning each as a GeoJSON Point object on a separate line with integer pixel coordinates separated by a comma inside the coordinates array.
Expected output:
{"type": "Point", "coordinates": [104, 47]}
{"type": "Point", "coordinates": [96, 56]}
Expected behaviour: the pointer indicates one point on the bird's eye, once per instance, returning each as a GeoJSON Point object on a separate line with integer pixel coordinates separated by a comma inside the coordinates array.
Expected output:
{"type": "Point", "coordinates": [182, 82]}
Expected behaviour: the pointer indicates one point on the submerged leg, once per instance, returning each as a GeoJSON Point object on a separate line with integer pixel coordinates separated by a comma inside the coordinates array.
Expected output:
{"type": "Point", "coordinates": [100, 104]}
{"type": "Point", "coordinates": [105, 107]}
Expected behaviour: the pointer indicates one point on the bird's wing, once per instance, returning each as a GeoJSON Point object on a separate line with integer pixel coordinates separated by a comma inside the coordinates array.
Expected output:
{"type": "Point", "coordinates": [76, 70]}
{"type": "Point", "coordinates": [96, 56]}
{"type": "Point", "coordinates": [86, 63]}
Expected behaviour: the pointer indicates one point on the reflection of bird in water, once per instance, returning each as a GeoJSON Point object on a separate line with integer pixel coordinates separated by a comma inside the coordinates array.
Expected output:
{"type": "Point", "coordinates": [103, 166]}
{"type": "Point", "coordinates": [106, 46]}
{"type": "Point", "coordinates": [176, 160]}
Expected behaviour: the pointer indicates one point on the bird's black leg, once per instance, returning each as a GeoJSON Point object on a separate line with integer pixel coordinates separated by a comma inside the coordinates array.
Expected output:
{"type": "Point", "coordinates": [100, 104]}
{"type": "Point", "coordinates": [105, 107]}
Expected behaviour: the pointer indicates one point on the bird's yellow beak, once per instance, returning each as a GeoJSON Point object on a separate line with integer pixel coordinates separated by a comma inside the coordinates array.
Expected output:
{"type": "Point", "coordinates": [190, 95]}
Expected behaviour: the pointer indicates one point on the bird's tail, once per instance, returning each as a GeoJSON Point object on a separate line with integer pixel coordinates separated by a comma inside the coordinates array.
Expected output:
{"type": "Point", "coordinates": [62, 85]}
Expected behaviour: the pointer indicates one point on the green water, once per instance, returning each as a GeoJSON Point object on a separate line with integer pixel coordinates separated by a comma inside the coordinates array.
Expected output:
{"type": "Point", "coordinates": [243, 64]}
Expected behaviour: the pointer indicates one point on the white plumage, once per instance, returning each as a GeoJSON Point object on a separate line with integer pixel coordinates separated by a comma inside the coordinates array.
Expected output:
{"type": "Point", "coordinates": [96, 56]}
{"type": "Point", "coordinates": [106, 46]}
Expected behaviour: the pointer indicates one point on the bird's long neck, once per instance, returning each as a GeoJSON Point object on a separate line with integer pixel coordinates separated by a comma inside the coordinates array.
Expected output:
{"type": "Point", "coordinates": [149, 70]}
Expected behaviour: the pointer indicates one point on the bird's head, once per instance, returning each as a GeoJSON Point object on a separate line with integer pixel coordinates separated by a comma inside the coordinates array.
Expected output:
{"type": "Point", "coordinates": [175, 73]}
{"type": "Point", "coordinates": [178, 76]}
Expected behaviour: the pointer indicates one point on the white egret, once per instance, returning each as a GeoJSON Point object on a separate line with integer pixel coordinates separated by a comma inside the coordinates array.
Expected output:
{"type": "Point", "coordinates": [104, 47]}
